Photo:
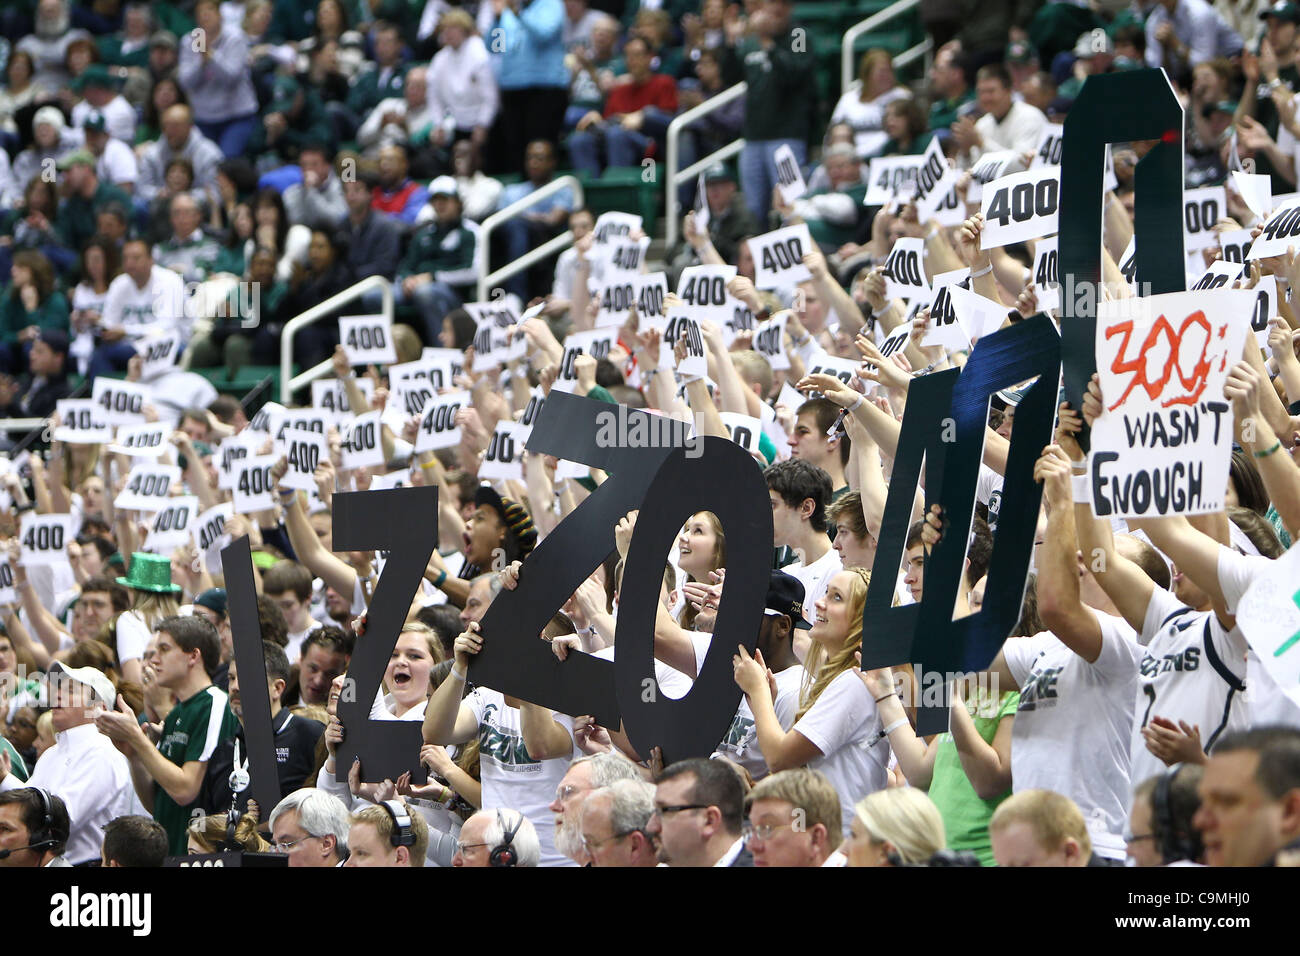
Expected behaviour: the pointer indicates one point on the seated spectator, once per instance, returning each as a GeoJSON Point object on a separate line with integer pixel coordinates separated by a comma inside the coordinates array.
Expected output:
{"type": "Point", "coordinates": [895, 827]}
{"type": "Point", "coordinates": [905, 126]}
{"type": "Point", "coordinates": [215, 75]}
{"type": "Point", "coordinates": [1249, 798]}
{"type": "Point", "coordinates": [130, 45]}
{"type": "Point", "coordinates": [17, 95]}
{"type": "Point", "coordinates": [837, 215]}
{"type": "Point", "coordinates": [440, 260]}
{"type": "Point", "coordinates": [950, 90]}
{"type": "Point", "coordinates": [233, 256]}
{"type": "Point", "coordinates": [1006, 124]}
{"type": "Point", "coordinates": [24, 817]}
{"type": "Point", "coordinates": [271, 228]}
{"type": "Point", "coordinates": [407, 120]}
{"type": "Point", "coordinates": [479, 193]}
{"type": "Point", "coordinates": [615, 821]}
{"type": "Point", "coordinates": [311, 826]}
{"type": "Point", "coordinates": [32, 226]}
{"type": "Point", "coordinates": [1160, 829]}
{"type": "Point", "coordinates": [179, 181]}
{"type": "Point", "coordinates": [384, 79]}
{"type": "Point", "coordinates": [207, 834]}
{"type": "Point", "coordinates": [46, 382]}
{"type": "Point", "coordinates": [146, 298]}
{"type": "Point", "coordinates": [179, 138]}
{"type": "Point", "coordinates": [655, 26]}
{"type": "Point", "coordinates": [396, 194]}
{"type": "Point", "coordinates": [729, 219]}
{"type": "Point", "coordinates": [1040, 92]}
{"type": "Point", "coordinates": [324, 275]}
{"type": "Point", "coordinates": [773, 807]}
{"type": "Point", "coordinates": [50, 140]}
{"type": "Point", "coordinates": [137, 841]}
{"type": "Point", "coordinates": [99, 90]}
{"type": "Point", "coordinates": [373, 241]}
{"type": "Point", "coordinates": [1094, 54]}
{"type": "Point", "coordinates": [498, 838]}
{"type": "Point", "coordinates": [637, 113]}
{"type": "Point", "coordinates": [101, 262]}
{"type": "Point", "coordinates": [48, 44]}
{"type": "Point", "coordinates": [293, 117]}
{"type": "Point", "coordinates": [541, 222]}
{"type": "Point", "coordinates": [592, 70]}
{"type": "Point", "coordinates": [699, 809]}
{"type": "Point", "coordinates": [374, 839]}
{"type": "Point", "coordinates": [864, 108]}
{"type": "Point", "coordinates": [165, 93]}
{"type": "Point", "coordinates": [115, 161]}
{"type": "Point", "coordinates": [712, 131]}
{"type": "Point", "coordinates": [164, 54]}
{"type": "Point", "coordinates": [30, 306]}
{"type": "Point", "coordinates": [86, 195]}
{"type": "Point", "coordinates": [189, 251]}
{"type": "Point", "coordinates": [1039, 828]}
{"type": "Point", "coordinates": [317, 202]}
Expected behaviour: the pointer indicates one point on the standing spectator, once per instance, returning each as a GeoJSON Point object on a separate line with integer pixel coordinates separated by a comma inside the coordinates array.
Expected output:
{"type": "Point", "coordinates": [479, 193]}
{"type": "Point", "coordinates": [779, 104]}
{"type": "Point", "coordinates": [1006, 123]}
{"type": "Point", "coordinates": [579, 19]}
{"type": "Point", "coordinates": [164, 54]}
{"type": "Point", "coordinates": [592, 69]}
{"type": "Point", "coordinates": [1275, 67]}
{"type": "Point", "coordinates": [179, 138]}
{"type": "Point", "coordinates": [17, 94]}
{"type": "Point", "coordinates": [172, 778]}
{"type": "Point", "coordinates": [530, 229]}
{"type": "Point", "coordinates": [730, 221]}
{"type": "Point", "coordinates": [461, 84]}
{"type": "Point", "coordinates": [529, 49]}
{"type": "Point", "coordinates": [864, 108]}
{"type": "Point", "coordinates": [214, 73]}
{"type": "Point", "coordinates": [1183, 33]}
{"type": "Point", "coordinates": [710, 132]}
{"type": "Point", "coordinates": [322, 277]}
{"type": "Point", "coordinates": [950, 90]}
{"type": "Point", "coordinates": [86, 195]}
{"type": "Point", "coordinates": [405, 119]}
{"type": "Point", "coordinates": [130, 45]}
{"type": "Point", "coordinates": [317, 202]}
{"type": "Point", "coordinates": [637, 114]}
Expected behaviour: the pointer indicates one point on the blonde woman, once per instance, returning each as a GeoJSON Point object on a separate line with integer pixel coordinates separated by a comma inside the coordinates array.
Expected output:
{"type": "Point", "coordinates": [864, 108]}
{"type": "Point", "coordinates": [153, 597]}
{"type": "Point", "coordinates": [837, 729]}
{"type": "Point", "coordinates": [895, 827]}
{"type": "Point", "coordinates": [701, 549]}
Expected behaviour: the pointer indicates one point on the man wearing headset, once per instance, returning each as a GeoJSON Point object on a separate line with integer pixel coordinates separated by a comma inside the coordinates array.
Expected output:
{"type": "Point", "coordinates": [494, 837]}
{"type": "Point", "coordinates": [387, 834]}
{"type": "Point", "coordinates": [33, 828]}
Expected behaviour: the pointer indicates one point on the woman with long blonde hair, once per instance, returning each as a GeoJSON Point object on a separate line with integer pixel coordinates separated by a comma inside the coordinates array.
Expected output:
{"type": "Point", "coordinates": [701, 549]}
{"type": "Point", "coordinates": [153, 597]}
{"type": "Point", "coordinates": [837, 730]}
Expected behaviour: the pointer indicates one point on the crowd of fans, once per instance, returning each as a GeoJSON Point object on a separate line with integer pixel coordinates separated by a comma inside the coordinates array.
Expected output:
{"type": "Point", "coordinates": [300, 147]}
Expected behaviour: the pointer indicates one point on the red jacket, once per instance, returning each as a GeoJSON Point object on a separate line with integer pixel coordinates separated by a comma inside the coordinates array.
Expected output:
{"type": "Point", "coordinates": [659, 91]}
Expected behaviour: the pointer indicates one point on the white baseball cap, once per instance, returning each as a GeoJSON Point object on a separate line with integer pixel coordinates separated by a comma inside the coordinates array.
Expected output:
{"type": "Point", "coordinates": [96, 680]}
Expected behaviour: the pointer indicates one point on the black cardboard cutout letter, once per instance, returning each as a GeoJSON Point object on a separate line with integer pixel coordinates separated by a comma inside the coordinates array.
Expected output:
{"type": "Point", "coordinates": [404, 522]}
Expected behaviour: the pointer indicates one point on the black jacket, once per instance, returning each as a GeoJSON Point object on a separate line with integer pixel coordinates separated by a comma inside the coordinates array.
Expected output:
{"type": "Point", "coordinates": [36, 397]}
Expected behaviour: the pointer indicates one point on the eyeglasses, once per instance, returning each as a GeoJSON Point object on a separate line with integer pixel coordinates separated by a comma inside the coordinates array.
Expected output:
{"type": "Point", "coordinates": [664, 811]}
{"type": "Point", "coordinates": [286, 847]}
{"type": "Point", "coordinates": [592, 846]}
{"type": "Point", "coordinates": [764, 831]}
{"type": "Point", "coordinates": [462, 847]}
{"type": "Point", "coordinates": [569, 789]}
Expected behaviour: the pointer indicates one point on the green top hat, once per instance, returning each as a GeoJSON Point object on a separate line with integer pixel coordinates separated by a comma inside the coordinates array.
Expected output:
{"type": "Point", "coordinates": [96, 74]}
{"type": "Point", "coordinates": [150, 572]}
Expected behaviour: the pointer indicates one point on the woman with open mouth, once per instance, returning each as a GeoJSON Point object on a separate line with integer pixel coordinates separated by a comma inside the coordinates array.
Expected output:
{"type": "Point", "coordinates": [701, 549]}
{"type": "Point", "coordinates": [837, 729]}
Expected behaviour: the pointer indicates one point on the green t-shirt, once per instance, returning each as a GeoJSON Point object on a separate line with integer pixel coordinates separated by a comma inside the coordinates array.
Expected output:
{"type": "Point", "coordinates": [965, 816]}
{"type": "Point", "coordinates": [192, 731]}
{"type": "Point", "coordinates": [17, 766]}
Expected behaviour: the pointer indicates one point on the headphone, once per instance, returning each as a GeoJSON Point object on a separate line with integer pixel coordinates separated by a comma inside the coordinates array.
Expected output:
{"type": "Point", "coordinates": [503, 854]}
{"type": "Point", "coordinates": [1174, 841]}
{"type": "Point", "coordinates": [402, 834]}
{"type": "Point", "coordinates": [45, 836]}
{"type": "Point", "coordinates": [232, 824]}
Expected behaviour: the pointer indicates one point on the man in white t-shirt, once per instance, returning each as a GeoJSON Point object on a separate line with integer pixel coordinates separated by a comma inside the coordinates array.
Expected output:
{"type": "Point", "coordinates": [799, 492]}
{"type": "Point", "coordinates": [1077, 681]}
{"type": "Point", "coordinates": [144, 299]}
{"type": "Point", "coordinates": [288, 584]}
{"type": "Point", "coordinates": [115, 162]}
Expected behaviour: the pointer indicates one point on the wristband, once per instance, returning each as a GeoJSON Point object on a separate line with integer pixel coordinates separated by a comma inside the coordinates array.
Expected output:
{"type": "Point", "coordinates": [886, 697]}
{"type": "Point", "coordinates": [1079, 467]}
{"type": "Point", "coordinates": [856, 405]}
{"type": "Point", "coordinates": [983, 272]}
{"type": "Point", "coordinates": [429, 465]}
{"type": "Point", "coordinates": [1277, 446]}
{"type": "Point", "coordinates": [901, 722]}
{"type": "Point", "coordinates": [442, 576]}
{"type": "Point", "coordinates": [1081, 490]}
{"type": "Point", "coordinates": [458, 675]}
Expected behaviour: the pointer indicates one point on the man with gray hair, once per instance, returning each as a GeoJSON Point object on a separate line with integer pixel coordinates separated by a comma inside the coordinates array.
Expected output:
{"type": "Point", "coordinates": [614, 821]}
{"type": "Point", "coordinates": [311, 826]}
{"type": "Point", "coordinates": [585, 775]}
{"type": "Point", "coordinates": [832, 215]}
{"type": "Point", "coordinates": [498, 837]}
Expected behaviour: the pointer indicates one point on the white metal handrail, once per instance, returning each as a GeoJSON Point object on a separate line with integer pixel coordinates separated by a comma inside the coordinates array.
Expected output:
{"type": "Point", "coordinates": [672, 209]}
{"type": "Point", "coordinates": [848, 67]}
{"type": "Point", "coordinates": [561, 242]}
{"type": "Point", "coordinates": [317, 312]}
{"type": "Point", "coordinates": [22, 424]}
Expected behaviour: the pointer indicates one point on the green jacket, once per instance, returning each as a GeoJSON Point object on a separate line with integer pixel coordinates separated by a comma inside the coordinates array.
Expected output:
{"type": "Point", "coordinates": [943, 113]}
{"type": "Point", "coordinates": [110, 51]}
{"type": "Point", "coordinates": [14, 317]}
{"type": "Point", "coordinates": [75, 220]}
{"type": "Point", "coordinates": [919, 146]}
{"type": "Point", "coordinates": [366, 92]}
{"type": "Point", "coordinates": [781, 102]}
{"type": "Point", "coordinates": [444, 250]}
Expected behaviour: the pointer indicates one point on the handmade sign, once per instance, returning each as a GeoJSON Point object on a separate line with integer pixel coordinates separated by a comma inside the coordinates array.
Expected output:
{"type": "Point", "coordinates": [977, 315]}
{"type": "Point", "coordinates": [253, 490]}
{"type": "Point", "coordinates": [362, 446]}
{"type": "Point", "coordinates": [82, 421]}
{"type": "Point", "coordinates": [626, 257]}
{"type": "Point", "coordinates": [303, 451]}
{"type": "Point", "coordinates": [769, 341]}
{"type": "Point", "coordinates": [788, 177]}
{"type": "Point", "coordinates": [1020, 206]}
{"type": "Point", "coordinates": [147, 487]}
{"type": "Point", "coordinates": [1266, 300]}
{"type": "Point", "coordinates": [613, 226]}
{"type": "Point", "coordinates": [158, 354]}
{"type": "Point", "coordinates": [438, 428]}
{"type": "Point", "coordinates": [889, 175]}
{"type": "Point", "coordinates": [935, 181]}
{"type": "Point", "coordinates": [1164, 439]}
{"type": "Point", "coordinates": [905, 270]}
{"type": "Point", "coordinates": [778, 257]}
{"type": "Point", "coordinates": [987, 169]}
{"type": "Point", "coordinates": [44, 538]}
{"type": "Point", "coordinates": [1202, 208]}
{"type": "Point", "coordinates": [233, 450]}
{"type": "Point", "coordinates": [503, 459]}
{"type": "Point", "coordinates": [266, 417]}
{"type": "Point", "coordinates": [744, 430]}
{"type": "Point", "coordinates": [1255, 190]}
{"type": "Point", "coordinates": [1269, 615]}
{"type": "Point", "coordinates": [1280, 231]}
{"type": "Point", "coordinates": [695, 363]}
{"type": "Point", "coordinates": [210, 532]}
{"type": "Point", "coordinates": [1050, 143]}
{"type": "Point", "coordinates": [367, 339]}
{"type": "Point", "coordinates": [329, 395]}
{"type": "Point", "coordinates": [1047, 280]}
{"type": "Point", "coordinates": [7, 593]}
{"type": "Point", "coordinates": [141, 441]}
{"type": "Point", "coordinates": [1235, 245]}
{"type": "Point", "coordinates": [493, 342]}
{"type": "Point", "coordinates": [703, 289]}
{"type": "Point", "coordinates": [173, 526]}
{"type": "Point", "coordinates": [943, 328]}
{"type": "Point", "coordinates": [595, 342]}
{"type": "Point", "coordinates": [646, 291]}
{"type": "Point", "coordinates": [122, 402]}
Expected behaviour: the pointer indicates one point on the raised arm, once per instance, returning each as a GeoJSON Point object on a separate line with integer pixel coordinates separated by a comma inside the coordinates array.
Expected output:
{"type": "Point", "coordinates": [446, 719]}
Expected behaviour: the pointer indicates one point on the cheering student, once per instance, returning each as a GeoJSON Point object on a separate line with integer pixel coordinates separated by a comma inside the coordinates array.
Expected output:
{"type": "Point", "coordinates": [800, 492]}
{"type": "Point", "coordinates": [172, 779]}
{"type": "Point", "coordinates": [154, 598]}
{"type": "Point", "coordinates": [499, 532]}
{"type": "Point", "coordinates": [701, 550]}
{"type": "Point", "coordinates": [837, 729]}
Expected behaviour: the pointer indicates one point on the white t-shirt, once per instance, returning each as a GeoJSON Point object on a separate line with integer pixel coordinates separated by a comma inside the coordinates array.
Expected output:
{"type": "Point", "coordinates": [988, 492]}
{"type": "Point", "coordinates": [741, 742]}
{"type": "Point", "coordinates": [158, 307]}
{"type": "Point", "coordinates": [510, 777]}
{"type": "Point", "coordinates": [867, 119]}
{"type": "Point", "coordinates": [119, 118]}
{"type": "Point", "coordinates": [672, 682]}
{"type": "Point", "coordinates": [845, 726]}
{"type": "Point", "coordinates": [1266, 702]}
{"type": "Point", "coordinates": [117, 164]}
{"type": "Point", "coordinates": [1191, 670]}
{"type": "Point", "coordinates": [132, 636]}
{"type": "Point", "coordinates": [816, 578]}
{"type": "Point", "coordinates": [1074, 724]}
{"type": "Point", "coordinates": [293, 650]}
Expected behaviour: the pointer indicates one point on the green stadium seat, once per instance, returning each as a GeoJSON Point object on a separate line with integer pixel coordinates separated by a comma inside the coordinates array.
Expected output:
{"type": "Point", "coordinates": [246, 378]}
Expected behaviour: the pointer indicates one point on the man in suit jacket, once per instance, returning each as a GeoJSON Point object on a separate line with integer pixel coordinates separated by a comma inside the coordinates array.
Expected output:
{"type": "Point", "coordinates": [699, 808]}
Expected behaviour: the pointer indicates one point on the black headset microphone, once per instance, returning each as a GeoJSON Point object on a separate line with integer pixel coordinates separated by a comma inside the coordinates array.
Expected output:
{"type": "Point", "coordinates": [45, 832]}
{"type": "Point", "coordinates": [503, 854]}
